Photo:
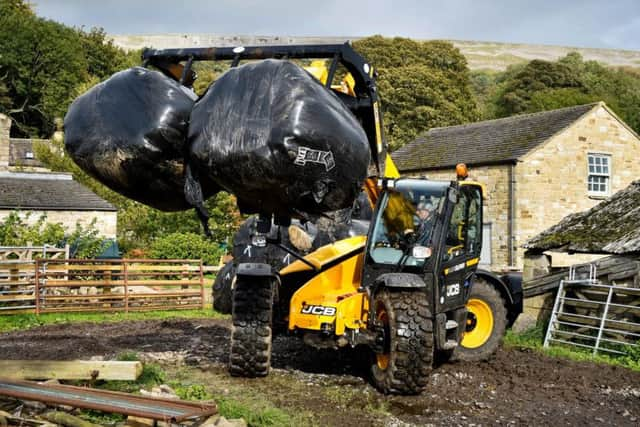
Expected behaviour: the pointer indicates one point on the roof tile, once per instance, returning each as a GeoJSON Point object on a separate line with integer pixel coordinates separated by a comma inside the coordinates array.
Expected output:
{"type": "Point", "coordinates": [491, 141]}
{"type": "Point", "coordinates": [48, 194]}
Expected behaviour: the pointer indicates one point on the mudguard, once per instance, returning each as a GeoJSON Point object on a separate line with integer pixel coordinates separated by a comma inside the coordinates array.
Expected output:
{"type": "Point", "coordinates": [510, 288]}
{"type": "Point", "coordinates": [254, 269]}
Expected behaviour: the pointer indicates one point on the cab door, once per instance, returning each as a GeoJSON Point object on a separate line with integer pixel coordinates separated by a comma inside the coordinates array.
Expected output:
{"type": "Point", "coordinates": [461, 249]}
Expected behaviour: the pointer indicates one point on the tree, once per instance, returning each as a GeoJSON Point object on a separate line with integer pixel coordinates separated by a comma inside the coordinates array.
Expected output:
{"type": "Point", "coordinates": [43, 64]}
{"type": "Point", "coordinates": [542, 85]}
{"type": "Point", "coordinates": [537, 76]}
{"type": "Point", "coordinates": [103, 57]}
{"type": "Point", "coordinates": [422, 85]}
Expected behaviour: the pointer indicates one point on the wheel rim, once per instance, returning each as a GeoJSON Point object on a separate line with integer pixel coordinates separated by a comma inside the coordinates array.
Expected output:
{"type": "Point", "coordinates": [382, 359]}
{"type": "Point", "coordinates": [477, 334]}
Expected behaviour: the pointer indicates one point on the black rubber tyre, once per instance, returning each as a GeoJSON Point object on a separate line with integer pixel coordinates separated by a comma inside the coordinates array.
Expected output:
{"type": "Point", "coordinates": [408, 342]}
{"type": "Point", "coordinates": [250, 354]}
{"type": "Point", "coordinates": [223, 289]}
{"type": "Point", "coordinates": [489, 301]}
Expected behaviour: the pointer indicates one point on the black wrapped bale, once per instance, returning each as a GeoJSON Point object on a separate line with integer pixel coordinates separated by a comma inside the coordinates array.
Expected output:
{"type": "Point", "coordinates": [129, 132]}
{"type": "Point", "coordinates": [276, 138]}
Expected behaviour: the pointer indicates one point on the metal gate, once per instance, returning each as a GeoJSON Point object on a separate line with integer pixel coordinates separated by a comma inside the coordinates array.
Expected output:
{"type": "Point", "coordinates": [595, 316]}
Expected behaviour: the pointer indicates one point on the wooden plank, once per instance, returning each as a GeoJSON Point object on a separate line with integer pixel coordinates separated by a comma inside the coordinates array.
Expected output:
{"type": "Point", "coordinates": [169, 295]}
{"type": "Point", "coordinates": [178, 282]}
{"type": "Point", "coordinates": [119, 267]}
{"type": "Point", "coordinates": [80, 283]}
{"type": "Point", "coordinates": [18, 311]}
{"type": "Point", "coordinates": [70, 370]}
{"type": "Point", "coordinates": [20, 283]}
{"type": "Point", "coordinates": [93, 267]}
{"type": "Point", "coordinates": [117, 297]}
{"type": "Point", "coordinates": [116, 283]}
{"type": "Point", "coordinates": [51, 298]}
{"type": "Point", "coordinates": [17, 297]}
{"type": "Point", "coordinates": [163, 268]}
{"type": "Point", "coordinates": [111, 309]}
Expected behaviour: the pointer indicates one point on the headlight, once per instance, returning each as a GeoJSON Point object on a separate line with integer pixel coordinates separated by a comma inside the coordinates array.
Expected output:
{"type": "Point", "coordinates": [421, 252]}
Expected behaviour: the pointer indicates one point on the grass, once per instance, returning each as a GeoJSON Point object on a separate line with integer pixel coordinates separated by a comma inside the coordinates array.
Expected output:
{"type": "Point", "coordinates": [534, 338]}
{"type": "Point", "coordinates": [257, 414]}
{"type": "Point", "coordinates": [256, 411]}
{"type": "Point", "coordinates": [26, 321]}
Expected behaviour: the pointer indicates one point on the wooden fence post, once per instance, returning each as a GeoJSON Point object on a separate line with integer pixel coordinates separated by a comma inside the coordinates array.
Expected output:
{"type": "Point", "coordinates": [125, 262]}
{"type": "Point", "coordinates": [201, 284]}
{"type": "Point", "coordinates": [37, 285]}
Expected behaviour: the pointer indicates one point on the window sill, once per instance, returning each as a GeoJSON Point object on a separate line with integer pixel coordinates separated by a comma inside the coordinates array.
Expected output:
{"type": "Point", "coordinates": [598, 196]}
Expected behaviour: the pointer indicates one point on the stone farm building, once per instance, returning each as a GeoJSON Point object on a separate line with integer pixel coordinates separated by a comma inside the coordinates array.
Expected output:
{"type": "Point", "coordinates": [537, 168]}
{"type": "Point", "coordinates": [26, 186]}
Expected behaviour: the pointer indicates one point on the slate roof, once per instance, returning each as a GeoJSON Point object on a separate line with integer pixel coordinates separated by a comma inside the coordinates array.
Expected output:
{"type": "Point", "coordinates": [21, 153]}
{"type": "Point", "coordinates": [43, 191]}
{"type": "Point", "coordinates": [609, 227]}
{"type": "Point", "coordinates": [488, 142]}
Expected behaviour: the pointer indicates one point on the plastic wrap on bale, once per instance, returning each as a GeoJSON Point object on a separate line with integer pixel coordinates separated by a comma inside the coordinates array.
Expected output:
{"type": "Point", "coordinates": [129, 132]}
{"type": "Point", "coordinates": [280, 141]}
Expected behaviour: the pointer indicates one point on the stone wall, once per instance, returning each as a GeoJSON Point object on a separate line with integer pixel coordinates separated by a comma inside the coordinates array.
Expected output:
{"type": "Point", "coordinates": [5, 127]}
{"type": "Point", "coordinates": [106, 222]}
{"type": "Point", "coordinates": [496, 206]}
{"type": "Point", "coordinates": [551, 182]}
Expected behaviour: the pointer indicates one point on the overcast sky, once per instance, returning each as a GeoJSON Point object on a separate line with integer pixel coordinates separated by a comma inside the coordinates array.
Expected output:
{"type": "Point", "coordinates": [579, 23]}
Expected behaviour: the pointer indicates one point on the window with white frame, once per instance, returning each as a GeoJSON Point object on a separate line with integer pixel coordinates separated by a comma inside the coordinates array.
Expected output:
{"type": "Point", "coordinates": [599, 174]}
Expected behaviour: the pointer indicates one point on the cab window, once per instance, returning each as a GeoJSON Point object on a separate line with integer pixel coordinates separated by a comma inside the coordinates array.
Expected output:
{"type": "Point", "coordinates": [464, 234]}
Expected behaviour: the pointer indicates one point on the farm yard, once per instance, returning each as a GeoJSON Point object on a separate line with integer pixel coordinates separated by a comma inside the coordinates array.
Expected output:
{"type": "Point", "coordinates": [518, 386]}
{"type": "Point", "coordinates": [395, 229]}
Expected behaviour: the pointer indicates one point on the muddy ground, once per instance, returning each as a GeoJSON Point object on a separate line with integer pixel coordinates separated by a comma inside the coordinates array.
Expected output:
{"type": "Point", "coordinates": [517, 387]}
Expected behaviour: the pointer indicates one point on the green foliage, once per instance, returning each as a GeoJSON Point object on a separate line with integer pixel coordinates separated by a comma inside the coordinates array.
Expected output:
{"type": "Point", "coordinates": [254, 416]}
{"type": "Point", "coordinates": [101, 418]}
{"type": "Point", "coordinates": [128, 356]}
{"type": "Point", "coordinates": [140, 225]}
{"type": "Point", "coordinates": [536, 76]}
{"type": "Point", "coordinates": [15, 230]}
{"type": "Point", "coordinates": [103, 57]}
{"type": "Point", "coordinates": [632, 356]}
{"type": "Point", "coordinates": [86, 242]}
{"type": "Point", "coordinates": [422, 85]}
{"type": "Point", "coordinates": [191, 391]}
{"type": "Point", "coordinates": [543, 85]}
{"type": "Point", "coordinates": [485, 84]}
{"type": "Point", "coordinates": [186, 246]}
{"type": "Point", "coordinates": [534, 338]}
{"type": "Point", "coordinates": [42, 65]}
{"type": "Point", "coordinates": [152, 375]}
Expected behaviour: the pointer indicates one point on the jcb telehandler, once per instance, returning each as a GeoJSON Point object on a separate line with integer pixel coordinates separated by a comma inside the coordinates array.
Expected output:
{"type": "Point", "coordinates": [401, 290]}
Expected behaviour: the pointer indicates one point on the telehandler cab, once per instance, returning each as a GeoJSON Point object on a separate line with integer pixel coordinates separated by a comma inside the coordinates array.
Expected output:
{"type": "Point", "coordinates": [401, 290]}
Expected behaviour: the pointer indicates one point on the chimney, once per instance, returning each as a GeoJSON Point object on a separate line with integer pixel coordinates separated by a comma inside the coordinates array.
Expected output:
{"type": "Point", "coordinates": [5, 127]}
